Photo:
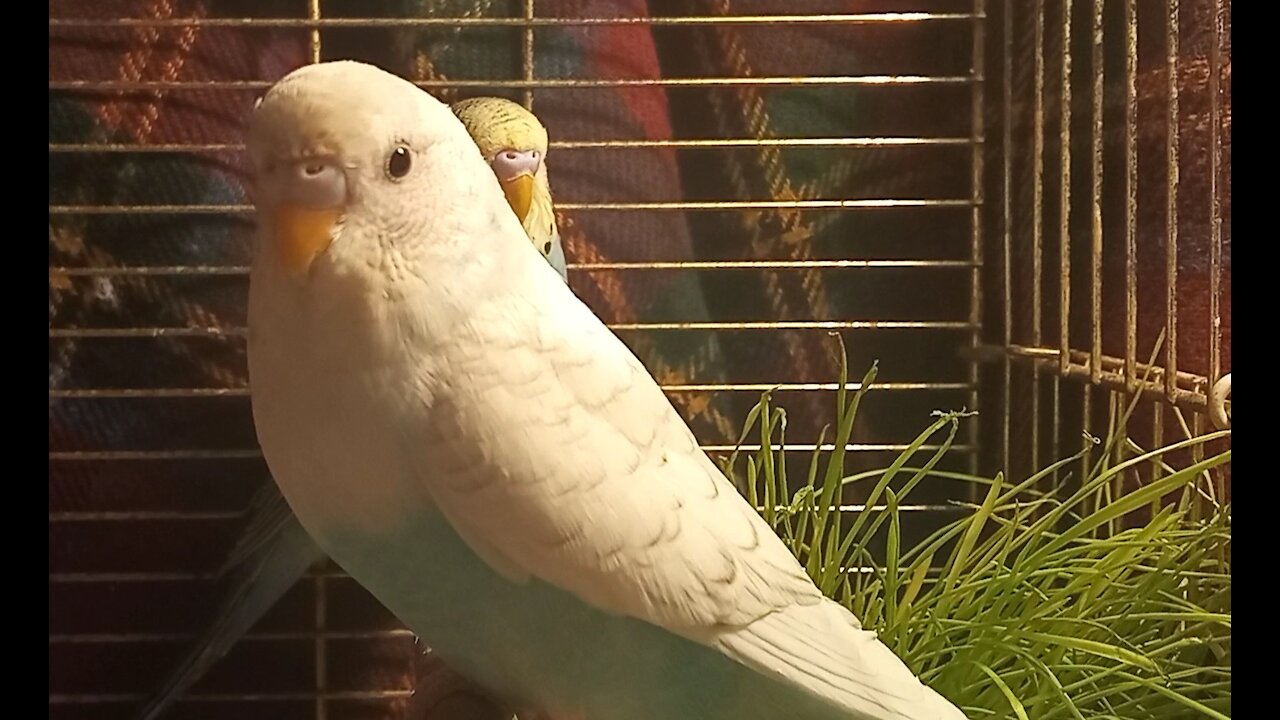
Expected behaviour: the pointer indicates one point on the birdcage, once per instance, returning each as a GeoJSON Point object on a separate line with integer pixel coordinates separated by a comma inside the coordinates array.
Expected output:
{"type": "Point", "coordinates": [1019, 207]}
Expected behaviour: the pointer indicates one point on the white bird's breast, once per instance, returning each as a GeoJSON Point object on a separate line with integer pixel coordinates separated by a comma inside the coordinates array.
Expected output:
{"type": "Point", "coordinates": [327, 396]}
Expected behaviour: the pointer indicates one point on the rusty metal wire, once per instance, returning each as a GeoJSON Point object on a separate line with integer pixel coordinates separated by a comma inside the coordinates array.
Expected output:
{"type": "Point", "coordinates": [1132, 271]}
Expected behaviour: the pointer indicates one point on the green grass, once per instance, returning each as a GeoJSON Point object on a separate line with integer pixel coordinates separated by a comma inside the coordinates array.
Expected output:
{"type": "Point", "coordinates": [1077, 602]}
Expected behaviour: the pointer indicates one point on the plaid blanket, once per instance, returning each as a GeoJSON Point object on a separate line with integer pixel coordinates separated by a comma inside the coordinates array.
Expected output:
{"type": "Point", "coordinates": [195, 282]}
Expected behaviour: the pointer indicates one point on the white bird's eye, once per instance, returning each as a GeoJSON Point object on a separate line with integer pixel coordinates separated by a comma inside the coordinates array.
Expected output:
{"type": "Point", "coordinates": [399, 163]}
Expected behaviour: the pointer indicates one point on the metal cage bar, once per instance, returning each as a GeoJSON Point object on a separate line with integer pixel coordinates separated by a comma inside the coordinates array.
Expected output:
{"type": "Point", "coordinates": [1112, 261]}
{"type": "Point", "coordinates": [1171, 209]}
{"type": "Point", "coordinates": [977, 199]}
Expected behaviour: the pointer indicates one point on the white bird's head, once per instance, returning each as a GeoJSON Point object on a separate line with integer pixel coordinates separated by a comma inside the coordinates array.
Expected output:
{"type": "Point", "coordinates": [348, 163]}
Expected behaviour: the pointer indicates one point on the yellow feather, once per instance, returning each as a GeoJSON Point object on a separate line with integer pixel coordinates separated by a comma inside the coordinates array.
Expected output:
{"type": "Point", "coordinates": [498, 124]}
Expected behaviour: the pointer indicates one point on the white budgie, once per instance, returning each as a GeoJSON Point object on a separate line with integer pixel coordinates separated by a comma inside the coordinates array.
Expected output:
{"type": "Point", "coordinates": [459, 432]}
{"type": "Point", "coordinates": [273, 550]}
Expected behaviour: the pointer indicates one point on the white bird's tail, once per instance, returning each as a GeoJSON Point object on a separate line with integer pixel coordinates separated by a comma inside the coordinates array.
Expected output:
{"type": "Point", "coordinates": [823, 649]}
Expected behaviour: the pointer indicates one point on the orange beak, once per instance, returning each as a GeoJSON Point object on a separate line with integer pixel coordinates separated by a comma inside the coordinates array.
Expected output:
{"type": "Point", "coordinates": [519, 192]}
{"type": "Point", "coordinates": [302, 234]}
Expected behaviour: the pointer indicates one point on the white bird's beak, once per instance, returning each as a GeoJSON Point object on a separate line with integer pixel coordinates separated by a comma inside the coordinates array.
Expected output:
{"type": "Point", "coordinates": [313, 202]}
{"type": "Point", "coordinates": [302, 234]}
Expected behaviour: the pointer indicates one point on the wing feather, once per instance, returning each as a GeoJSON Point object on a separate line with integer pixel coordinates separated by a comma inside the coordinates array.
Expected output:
{"type": "Point", "coordinates": [563, 458]}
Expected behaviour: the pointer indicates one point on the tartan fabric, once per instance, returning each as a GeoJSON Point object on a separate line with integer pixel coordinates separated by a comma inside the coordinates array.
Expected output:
{"type": "Point", "coordinates": [221, 487]}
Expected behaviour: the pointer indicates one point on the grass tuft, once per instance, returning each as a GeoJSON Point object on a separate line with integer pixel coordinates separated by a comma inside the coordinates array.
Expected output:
{"type": "Point", "coordinates": [1074, 603]}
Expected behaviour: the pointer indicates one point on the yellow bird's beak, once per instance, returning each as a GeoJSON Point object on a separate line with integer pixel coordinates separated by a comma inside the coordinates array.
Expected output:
{"type": "Point", "coordinates": [302, 234]}
{"type": "Point", "coordinates": [519, 192]}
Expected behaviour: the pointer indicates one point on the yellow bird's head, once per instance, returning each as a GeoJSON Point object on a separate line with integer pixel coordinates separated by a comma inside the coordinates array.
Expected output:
{"type": "Point", "coordinates": [514, 143]}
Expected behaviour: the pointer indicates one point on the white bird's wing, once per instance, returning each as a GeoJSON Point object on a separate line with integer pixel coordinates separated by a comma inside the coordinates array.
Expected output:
{"type": "Point", "coordinates": [555, 455]}
{"type": "Point", "coordinates": [555, 449]}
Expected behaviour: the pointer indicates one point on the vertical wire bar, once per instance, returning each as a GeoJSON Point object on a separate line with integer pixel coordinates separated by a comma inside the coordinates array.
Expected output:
{"type": "Point", "coordinates": [1086, 413]}
{"type": "Point", "coordinates": [1215, 217]}
{"type": "Point", "coordinates": [1157, 437]}
{"type": "Point", "coordinates": [1171, 212]}
{"type": "Point", "coordinates": [976, 139]}
{"type": "Point", "coordinates": [1064, 199]}
{"type": "Point", "coordinates": [1131, 197]}
{"type": "Point", "coordinates": [313, 43]}
{"type": "Point", "coordinates": [526, 61]}
{"type": "Point", "coordinates": [1007, 227]}
{"type": "Point", "coordinates": [1056, 434]}
{"type": "Point", "coordinates": [1064, 230]}
{"type": "Point", "coordinates": [1095, 185]}
{"type": "Point", "coordinates": [1119, 401]}
{"type": "Point", "coordinates": [1197, 456]}
{"type": "Point", "coordinates": [1037, 213]}
{"type": "Point", "coordinates": [321, 610]}
{"type": "Point", "coordinates": [1215, 204]}
{"type": "Point", "coordinates": [322, 655]}
{"type": "Point", "coordinates": [1130, 221]}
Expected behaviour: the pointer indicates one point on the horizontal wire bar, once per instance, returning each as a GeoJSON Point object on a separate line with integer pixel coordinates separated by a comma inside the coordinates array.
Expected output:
{"type": "Point", "coordinates": [140, 516]}
{"type": "Point", "coordinates": [97, 698]}
{"type": "Point", "coordinates": [121, 455]}
{"type": "Point", "coordinates": [636, 326]}
{"type": "Point", "coordinates": [88, 578]}
{"type": "Point", "coordinates": [308, 23]}
{"type": "Point", "coordinates": [704, 143]}
{"type": "Point", "coordinates": [150, 270]}
{"type": "Point", "coordinates": [330, 571]}
{"type": "Point", "coordinates": [583, 267]}
{"type": "Point", "coordinates": [1190, 393]}
{"type": "Point", "coordinates": [1081, 357]}
{"type": "Point", "coordinates": [158, 393]}
{"type": "Point", "coordinates": [114, 638]}
{"type": "Point", "coordinates": [828, 447]}
{"type": "Point", "coordinates": [849, 204]}
{"type": "Point", "coordinates": [188, 209]}
{"type": "Point", "coordinates": [71, 578]}
{"type": "Point", "coordinates": [154, 332]}
{"type": "Point", "coordinates": [541, 84]}
{"type": "Point", "coordinates": [154, 516]}
{"type": "Point", "coordinates": [167, 393]}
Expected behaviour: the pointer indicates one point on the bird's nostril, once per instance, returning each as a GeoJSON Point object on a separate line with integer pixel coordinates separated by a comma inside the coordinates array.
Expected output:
{"type": "Point", "coordinates": [314, 182]}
